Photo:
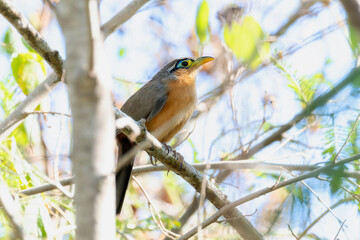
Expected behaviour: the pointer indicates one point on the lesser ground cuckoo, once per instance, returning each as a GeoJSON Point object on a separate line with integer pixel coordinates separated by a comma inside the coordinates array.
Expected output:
{"type": "Point", "coordinates": [166, 102]}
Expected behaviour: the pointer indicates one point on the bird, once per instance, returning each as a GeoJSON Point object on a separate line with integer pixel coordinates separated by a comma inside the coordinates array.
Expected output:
{"type": "Point", "coordinates": [166, 103]}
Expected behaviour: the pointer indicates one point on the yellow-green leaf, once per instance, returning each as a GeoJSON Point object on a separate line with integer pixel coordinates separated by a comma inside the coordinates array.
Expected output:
{"type": "Point", "coordinates": [202, 22]}
{"type": "Point", "coordinates": [9, 42]}
{"type": "Point", "coordinates": [28, 70]}
{"type": "Point", "coordinates": [246, 40]}
{"type": "Point", "coordinates": [354, 40]}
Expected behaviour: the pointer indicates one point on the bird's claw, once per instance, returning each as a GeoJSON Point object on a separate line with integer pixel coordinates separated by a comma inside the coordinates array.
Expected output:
{"type": "Point", "coordinates": [167, 147]}
{"type": "Point", "coordinates": [178, 156]}
{"type": "Point", "coordinates": [153, 160]}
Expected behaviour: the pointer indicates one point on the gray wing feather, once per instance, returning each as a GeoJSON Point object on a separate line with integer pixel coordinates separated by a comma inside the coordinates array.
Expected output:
{"type": "Point", "coordinates": [146, 102]}
{"type": "Point", "coordinates": [157, 108]}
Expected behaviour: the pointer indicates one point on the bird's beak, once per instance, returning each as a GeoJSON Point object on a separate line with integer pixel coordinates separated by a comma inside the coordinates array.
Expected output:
{"type": "Point", "coordinates": [201, 61]}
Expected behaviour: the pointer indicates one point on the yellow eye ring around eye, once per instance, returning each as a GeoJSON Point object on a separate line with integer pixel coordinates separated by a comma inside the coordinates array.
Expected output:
{"type": "Point", "coordinates": [185, 63]}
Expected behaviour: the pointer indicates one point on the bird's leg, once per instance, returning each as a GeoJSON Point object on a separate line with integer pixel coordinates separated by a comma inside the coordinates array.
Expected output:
{"type": "Point", "coordinates": [178, 156]}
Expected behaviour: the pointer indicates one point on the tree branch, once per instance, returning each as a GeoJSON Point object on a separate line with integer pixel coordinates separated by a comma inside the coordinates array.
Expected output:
{"type": "Point", "coordinates": [265, 191]}
{"type": "Point", "coordinates": [352, 8]}
{"type": "Point", "coordinates": [28, 105]}
{"type": "Point", "coordinates": [234, 165]}
{"type": "Point", "coordinates": [125, 14]}
{"type": "Point", "coordinates": [303, 10]}
{"type": "Point", "coordinates": [31, 35]}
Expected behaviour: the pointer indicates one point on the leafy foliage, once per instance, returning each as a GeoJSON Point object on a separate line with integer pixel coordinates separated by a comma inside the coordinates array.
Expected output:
{"type": "Point", "coordinates": [247, 41]}
{"type": "Point", "coordinates": [305, 88]}
{"type": "Point", "coordinates": [28, 70]}
{"type": "Point", "coordinates": [9, 42]}
{"type": "Point", "coordinates": [354, 40]}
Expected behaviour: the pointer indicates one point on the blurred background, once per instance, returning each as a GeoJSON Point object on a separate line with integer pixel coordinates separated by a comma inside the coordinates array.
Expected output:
{"type": "Point", "coordinates": [272, 59]}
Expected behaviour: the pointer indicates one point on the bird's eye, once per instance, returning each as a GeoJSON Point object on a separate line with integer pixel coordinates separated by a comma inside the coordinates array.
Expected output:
{"type": "Point", "coordinates": [184, 63]}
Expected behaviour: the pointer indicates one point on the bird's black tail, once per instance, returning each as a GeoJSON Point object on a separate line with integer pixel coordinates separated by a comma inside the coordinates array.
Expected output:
{"type": "Point", "coordinates": [123, 175]}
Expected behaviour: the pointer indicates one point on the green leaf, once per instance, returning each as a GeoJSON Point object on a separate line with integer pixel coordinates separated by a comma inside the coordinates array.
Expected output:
{"type": "Point", "coordinates": [354, 40]}
{"type": "Point", "coordinates": [304, 87]}
{"type": "Point", "coordinates": [202, 22]}
{"type": "Point", "coordinates": [122, 52]}
{"type": "Point", "coordinates": [246, 40]}
{"type": "Point", "coordinates": [336, 179]}
{"type": "Point", "coordinates": [7, 91]}
{"type": "Point", "coordinates": [195, 151]}
{"type": "Point", "coordinates": [267, 126]}
{"type": "Point", "coordinates": [9, 42]}
{"type": "Point", "coordinates": [41, 227]}
{"type": "Point", "coordinates": [28, 70]}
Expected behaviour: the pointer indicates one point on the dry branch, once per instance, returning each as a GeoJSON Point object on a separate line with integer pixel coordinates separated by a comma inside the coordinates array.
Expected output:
{"type": "Point", "coordinates": [240, 164]}
{"type": "Point", "coordinates": [125, 14]}
{"type": "Point", "coordinates": [213, 218]}
{"type": "Point", "coordinates": [31, 35]}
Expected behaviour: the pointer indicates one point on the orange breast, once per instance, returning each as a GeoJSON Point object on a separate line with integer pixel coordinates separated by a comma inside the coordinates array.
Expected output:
{"type": "Point", "coordinates": [179, 106]}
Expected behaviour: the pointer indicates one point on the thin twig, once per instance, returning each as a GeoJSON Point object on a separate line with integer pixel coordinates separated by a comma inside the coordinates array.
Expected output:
{"type": "Point", "coordinates": [348, 137]}
{"type": "Point", "coordinates": [323, 214]}
{"type": "Point", "coordinates": [320, 200]}
{"type": "Point", "coordinates": [125, 14]}
{"type": "Point", "coordinates": [278, 180]}
{"type": "Point", "coordinates": [355, 196]}
{"type": "Point", "coordinates": [52, 113]}
{"type": "Point", "coordinates": [27, 105]}
{"type": "Point", "coordinates": [341, 227]}
{"type": "Point", "coordinates": [292, 232]}
{"type": "Point", "coordinates": [46, 187]}
{"type": "Point", "coordinates": [157, 218]}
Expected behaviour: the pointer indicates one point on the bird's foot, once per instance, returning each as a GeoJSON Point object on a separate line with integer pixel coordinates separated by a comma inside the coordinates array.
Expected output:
{"type": "Point", "coordinates": [178, 156]}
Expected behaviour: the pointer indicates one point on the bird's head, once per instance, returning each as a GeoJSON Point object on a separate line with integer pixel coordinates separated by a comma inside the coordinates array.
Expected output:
{"type": "Point", "coordinates": [183, 68]}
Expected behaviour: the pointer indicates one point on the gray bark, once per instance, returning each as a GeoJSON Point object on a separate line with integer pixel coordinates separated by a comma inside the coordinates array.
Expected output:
{"type": "Point", "coordinates": [93, 119]}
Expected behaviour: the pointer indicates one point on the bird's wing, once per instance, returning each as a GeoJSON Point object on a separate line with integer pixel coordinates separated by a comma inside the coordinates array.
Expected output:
{"type": "Point", "coordinates": [146, 102]}
{"type": "Point", "coordinates": [157, 107]}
